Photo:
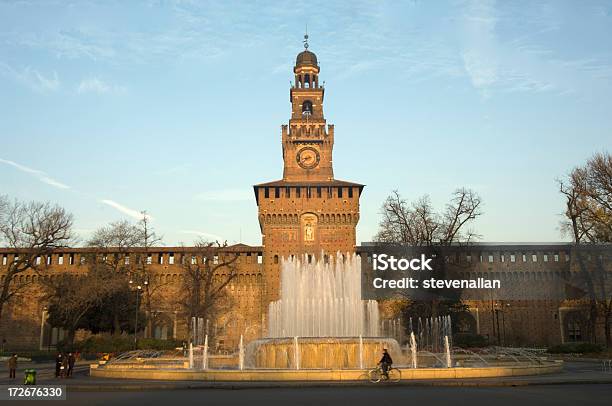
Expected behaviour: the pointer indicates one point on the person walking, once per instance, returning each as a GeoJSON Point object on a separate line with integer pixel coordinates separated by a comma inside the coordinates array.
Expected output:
{"type": "Point", "coordinates": [12, 365]}
{"type": "Point", "coordinates": [71, 361]}
{"type": "Point", "coordinates": [58, 364]}
{"type": "Point", "coordinates": [64, 367]}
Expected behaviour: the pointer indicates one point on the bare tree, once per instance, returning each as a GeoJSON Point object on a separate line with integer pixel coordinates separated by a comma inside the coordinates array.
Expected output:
{"type": "Point", "coordinates": [207, 274]}
{"type": "Point", "coordinates": [418, 224]}
{"type": "Point", "coordinates": [71, 296]}
{"type": "Point", "coordinates": [33, 230]}
{"type": "Point", "coordinates": [112, 245]}
{"type": "Point", "coordinates": [149, 240]}
{"type": "Point", "coordinates": [121, 238]}
{"type": "Point", "coordinates": [588, 219]}
{"type": "Point", "coordinates": [118, 236]}
{"type": "Point", "coordinates": [4, 204]}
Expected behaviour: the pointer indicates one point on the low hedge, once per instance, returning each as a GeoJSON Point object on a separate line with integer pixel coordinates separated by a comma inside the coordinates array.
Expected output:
{"type": "Point", "coordinates": [35, 356]}
{"type": "Point", "coordinates": [575, 348]}
{"type": "Point", "coordinates": [464, 340]}
{"type": "Point", "coordinates": [115, 344]}
{"type": "Point", "coordinates": [44, 356]}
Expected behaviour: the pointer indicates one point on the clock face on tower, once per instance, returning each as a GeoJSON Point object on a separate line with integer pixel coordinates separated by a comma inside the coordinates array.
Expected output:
{"type": "Point", "coordinates": [308, 157]}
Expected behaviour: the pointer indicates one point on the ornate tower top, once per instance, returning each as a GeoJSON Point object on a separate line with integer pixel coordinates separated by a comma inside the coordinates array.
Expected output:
{"type": "Point", "coordinates": [307, 140]}
{"type": "Point", "coordinates": [306, 58]}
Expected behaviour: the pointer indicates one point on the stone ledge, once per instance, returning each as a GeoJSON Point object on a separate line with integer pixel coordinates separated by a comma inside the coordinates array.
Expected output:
{"type": "Point", "coordinates": [260, 375]}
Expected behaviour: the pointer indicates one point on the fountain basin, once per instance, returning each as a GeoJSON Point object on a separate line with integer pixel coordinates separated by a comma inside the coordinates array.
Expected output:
{"type": "Point", "coordinates": [320, 352]}
{"type": "Point", "coordinates": [277, 375]}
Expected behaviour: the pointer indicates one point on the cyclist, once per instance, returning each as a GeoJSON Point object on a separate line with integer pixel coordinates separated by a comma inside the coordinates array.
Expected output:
{"type": "Point", "coordinates": [385, 363]}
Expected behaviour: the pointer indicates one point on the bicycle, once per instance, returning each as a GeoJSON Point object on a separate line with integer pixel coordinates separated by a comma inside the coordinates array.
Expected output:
{"type": "Point", "coordinates": [376, 375]}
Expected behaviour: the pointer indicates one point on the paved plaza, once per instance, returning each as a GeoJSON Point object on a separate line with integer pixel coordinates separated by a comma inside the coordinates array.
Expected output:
{"type": "Point", "coordinates": [354, 396]}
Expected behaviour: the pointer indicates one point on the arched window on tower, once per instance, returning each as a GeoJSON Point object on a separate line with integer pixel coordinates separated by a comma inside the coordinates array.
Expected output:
{"type": "Point", "coordinates": [307, 108]}
{"type": "Point", "coordinates": [307, 80]}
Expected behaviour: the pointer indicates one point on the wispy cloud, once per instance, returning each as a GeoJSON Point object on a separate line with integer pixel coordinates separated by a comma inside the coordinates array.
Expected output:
{"type": "Point", "coordinates": [202, 234]}
{"type": "Point", "coordinates": [31, 78]}
{"type": "Point", "coordinates": [99, 86]}
{"type": "Point", "coordinates": [136, 214]}
{"type": "Point", "coordinates": [480, 57]}
{"type": "Point", "coordinates": [495, 65]}
{"type": "Point", "coordinates": [40, 175]}
{"type": "Point", "coordinates": [225, 195]}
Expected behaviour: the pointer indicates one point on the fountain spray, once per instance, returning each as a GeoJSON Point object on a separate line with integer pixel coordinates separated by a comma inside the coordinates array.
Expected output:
{"type": "Point", "coordinates": [413, 350]}
{"type": "Point", "coordinates": [191, 355]}
{"type": "Point", "coordinates": [449, 363]}
{"type": "Point", "coordinates": [241, 354]}
{"type": "Point", "coordinates": [205, 353]}
{"type": "Point", "coordinates": [296, 353]}
{"type": "Point", "coordinates": [360, 351]}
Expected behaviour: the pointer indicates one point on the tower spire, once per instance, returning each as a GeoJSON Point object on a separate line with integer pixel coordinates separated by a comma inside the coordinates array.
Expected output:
{"type": "Point", "coordinates": [306, 38]}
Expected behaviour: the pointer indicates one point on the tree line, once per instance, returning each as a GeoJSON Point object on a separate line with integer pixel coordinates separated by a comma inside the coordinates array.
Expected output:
{"type": "Point", "coordinates": [586, 219]}
{"type": "Point", "coordinates": [108, 294]}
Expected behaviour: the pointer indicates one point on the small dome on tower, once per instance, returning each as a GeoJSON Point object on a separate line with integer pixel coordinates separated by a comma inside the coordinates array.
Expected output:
{"type": "Point", "coordinates": [306, 58]}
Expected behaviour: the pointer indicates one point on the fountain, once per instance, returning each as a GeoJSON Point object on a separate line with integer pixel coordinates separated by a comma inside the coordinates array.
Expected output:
{"type": "Point", "coordinates": [320, 329]}
{"type": "Point", "coordinates": [321, 319]}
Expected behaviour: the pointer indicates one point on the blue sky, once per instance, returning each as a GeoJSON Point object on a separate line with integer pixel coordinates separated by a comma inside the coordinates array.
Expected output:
{"type": "Point", "coordinates": [113, 107]}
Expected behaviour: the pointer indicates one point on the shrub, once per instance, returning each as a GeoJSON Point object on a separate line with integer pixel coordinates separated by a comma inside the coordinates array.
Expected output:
{"type": "Point", "coordinates": [97, 344]}
{"type": "Point", "coordinates": [115, 344]}
{"type": "Point", "coordinates": [466, 340]}
{"type": "Point", "coordinates": [155, 344]}
{"type": "Point", "coordinates": [575, 348]}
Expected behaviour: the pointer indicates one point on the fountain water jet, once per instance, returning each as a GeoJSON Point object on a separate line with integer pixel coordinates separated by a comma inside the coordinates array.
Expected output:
{"type": "Point", "coordinates": [320, 302]}
{"type": "Point", "coordinates": [413, 350]}
{"type": "Point", "coordinates": [191, 355]}
{"type": "Point", "coordinates": [205, 353]}
{"type": "Point", "coordinates": [241, 353]}
{"type": "Point", "coordinates": [449, 363]}
{"type": "Point", "coordinates": [296, 353]}
{"type": "Point", "coordinates": [360, 351]}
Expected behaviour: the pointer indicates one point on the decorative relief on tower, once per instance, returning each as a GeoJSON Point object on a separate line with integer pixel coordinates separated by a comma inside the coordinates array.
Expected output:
{"type": "Point", "coordinates": [289, 236]}
{"type": "Point", "coordinates": [309, 224]}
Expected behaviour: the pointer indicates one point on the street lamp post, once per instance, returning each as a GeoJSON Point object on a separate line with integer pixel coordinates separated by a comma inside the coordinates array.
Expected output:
{"type": "Point", "coordinates": [504, 321]}
{"type": "Point", "coordinates": [137, 290]}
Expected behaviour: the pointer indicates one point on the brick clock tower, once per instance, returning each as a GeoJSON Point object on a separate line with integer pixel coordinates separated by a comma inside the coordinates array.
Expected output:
{"type": "Point", "coordinates": [308, 212]}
